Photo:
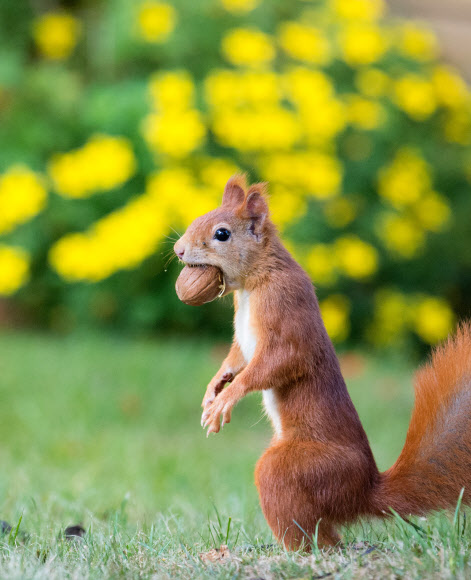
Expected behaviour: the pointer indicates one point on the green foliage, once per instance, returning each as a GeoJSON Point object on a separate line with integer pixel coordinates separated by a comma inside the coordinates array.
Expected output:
{"type": "Point", "coordinates": [363, 135]}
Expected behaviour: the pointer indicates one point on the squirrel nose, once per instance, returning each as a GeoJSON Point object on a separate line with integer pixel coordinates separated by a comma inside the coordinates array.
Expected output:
{"type": "Point", "coordinates": [179, 249]}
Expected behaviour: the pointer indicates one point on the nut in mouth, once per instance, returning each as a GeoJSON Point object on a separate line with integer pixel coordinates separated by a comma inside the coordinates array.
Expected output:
{"type": "Point", "coordinates": [222, 280]}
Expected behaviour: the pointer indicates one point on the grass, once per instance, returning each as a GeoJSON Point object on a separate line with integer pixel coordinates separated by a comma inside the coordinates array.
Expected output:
{"type": "Point", "coordinates": [104, 431]}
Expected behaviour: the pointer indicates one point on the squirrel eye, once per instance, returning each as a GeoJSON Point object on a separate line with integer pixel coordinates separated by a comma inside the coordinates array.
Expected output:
{"type": "Point", "coordinates": [222, 235]}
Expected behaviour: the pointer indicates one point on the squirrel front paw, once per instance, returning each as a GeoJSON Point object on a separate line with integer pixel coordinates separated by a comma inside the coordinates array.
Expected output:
{"type": "Point", "coordinates": [221, 406]}
{"type": "Point", "coordinates": [214, 388]}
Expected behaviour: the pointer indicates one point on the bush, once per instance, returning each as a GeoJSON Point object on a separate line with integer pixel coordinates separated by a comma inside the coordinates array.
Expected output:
{"type": "Point", "coordinates": [122, 121]}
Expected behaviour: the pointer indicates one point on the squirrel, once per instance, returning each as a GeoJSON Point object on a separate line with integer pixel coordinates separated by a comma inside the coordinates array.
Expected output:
{"type": "Point", "coordinates": [319, 471]}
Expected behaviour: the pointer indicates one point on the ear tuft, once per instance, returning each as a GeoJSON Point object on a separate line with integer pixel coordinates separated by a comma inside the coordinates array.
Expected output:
{"type": "Point", "coordinates": [256, 203]}
{"type": "Point", "coordinates": [234, 192]}
{"type": "Point", "coordinates": [260, 188]}
{"type": "Point", "coordinates": [256, 208]}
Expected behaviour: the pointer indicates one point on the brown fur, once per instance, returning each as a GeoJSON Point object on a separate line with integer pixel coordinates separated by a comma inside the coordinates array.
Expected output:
{"type": "Point", "coordinates": [435, 463]}
{"type": "Point", "coordinates": [319, 472]}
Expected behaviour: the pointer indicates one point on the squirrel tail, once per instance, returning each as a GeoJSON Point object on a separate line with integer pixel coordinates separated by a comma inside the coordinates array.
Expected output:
{"type": "Point", "coordinates": [435, 464]}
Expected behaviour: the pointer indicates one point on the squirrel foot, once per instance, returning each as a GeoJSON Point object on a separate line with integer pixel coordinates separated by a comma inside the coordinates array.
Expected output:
{"type": "Point", "coordinates": [220, 407]}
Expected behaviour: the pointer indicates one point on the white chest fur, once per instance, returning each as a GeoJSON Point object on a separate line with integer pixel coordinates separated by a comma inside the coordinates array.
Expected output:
{"type": "Point", "coordinates": [247, 341]}
{"type": "Point", "coordinates": [243, 329]}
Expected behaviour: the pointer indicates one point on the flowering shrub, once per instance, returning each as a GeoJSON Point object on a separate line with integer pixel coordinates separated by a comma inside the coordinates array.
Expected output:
{"type": "Point", "coordinates": [362, 133]}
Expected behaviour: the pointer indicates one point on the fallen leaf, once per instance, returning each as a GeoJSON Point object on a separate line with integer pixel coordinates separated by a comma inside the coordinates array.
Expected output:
{"type": "Point", "coordinates": [216, 555]}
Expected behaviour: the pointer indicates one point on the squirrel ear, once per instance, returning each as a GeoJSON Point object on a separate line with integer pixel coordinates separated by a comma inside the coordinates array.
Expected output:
{"type": "Point", "coordinates": [234, 192]}
{"type": "Point", "coordinates": [256, 207]}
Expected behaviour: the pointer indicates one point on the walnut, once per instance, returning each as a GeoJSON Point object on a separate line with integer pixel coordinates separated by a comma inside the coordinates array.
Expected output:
{"type": "Point", "coordinates": [197, 285]}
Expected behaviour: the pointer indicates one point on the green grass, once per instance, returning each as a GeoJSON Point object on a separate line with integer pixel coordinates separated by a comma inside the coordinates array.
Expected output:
{"type": "Point", "coordinates": [105, 431]}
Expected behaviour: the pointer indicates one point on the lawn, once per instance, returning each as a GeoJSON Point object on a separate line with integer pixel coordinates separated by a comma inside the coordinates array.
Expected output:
{"type": "Point", "coordinates": [104, 431]}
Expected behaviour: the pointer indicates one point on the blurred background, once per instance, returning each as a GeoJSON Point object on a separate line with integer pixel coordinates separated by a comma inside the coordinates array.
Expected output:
{"type": "Point", "coordinates": [120, 122]}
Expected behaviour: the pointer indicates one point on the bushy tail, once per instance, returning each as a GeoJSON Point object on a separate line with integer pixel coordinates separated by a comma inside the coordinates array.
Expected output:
{"type": "Point", "coordinates": [435, 463]}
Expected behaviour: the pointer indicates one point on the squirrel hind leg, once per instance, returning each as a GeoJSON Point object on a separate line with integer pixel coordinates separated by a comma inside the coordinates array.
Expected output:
{"type": "Point", "coordinates": [307, 488]}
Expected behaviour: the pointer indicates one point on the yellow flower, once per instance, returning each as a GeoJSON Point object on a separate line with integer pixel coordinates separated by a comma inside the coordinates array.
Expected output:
{"type": "Point", "coordinates": [362, 44]}
{"type": "Point", "coordinates": [179, 196]}
{"type": "Point", "coordinates": [248, 47]}
{"type": "Point", "coordinates": [56, 34]}
{"type": "Point", "coordinates": [172, 90]}
{"type": "Point", "coordinates": [239, 6]}
{"type": "Point", "coordinates": [103, 163]}
{"type": "Point", "coordinates": [258, 88]}
{"type": "Point", "coordinates": [119, 241]}
{"type": "Point", "coordinates": [318, 174]}
{"type": "Point", "coordinates": [432, 211]}
{"type": "Point", "coordinates": [166, 186]}
{"type": "Point", "coordinates": [156, 21]}
{"type": "Point", "coordinates": [222, 89]}
{"type": "Point", "coordinates": [372, 82]}
{"type": "Point", "coordinates": [177, 129]}
{"type": "Point", "coordinates": [415, 95]}
{"type": "Point", "coordinates": [417, 42]}
{"type": "Point", "coordinates": [433, 319]}
{"type": "Point", "coordinates": [406, 179]}
{"type": "Point", "coordinates": [174, 133]}
{"type": "Point", "coordinates": [306, 87]}
{"type": "Point", "coordinates": [321, 114]}
{"type": "Point", "coordinates": [401, 235]}
{"type": "Point", "coordinates": [356, 258]}
{"type": "Point", "coordinates": [391, 316]}
{"type": "Point", "coordinates": [339, 212]}
{"type": "Point", "coordinates": [364, 113]}
{"type": "Point", "coordinates": [335, 312]}
{"type": "Point", "coordinates": [322, 121]}
{"type": "Point", "coordinates": [14, 269]}
{"type": "Point", "coordinates": [265, 129]}
{"type": "Point", "coordinates": [197, 202]}
{"type": "Point", "coordinates": [215, 172]}
{"type": "Point", "coordinates": [114, 158]}
{"type": "Point", "coordinates": [321, 265]}
{"type": "Point", "coordinates": [368, 10]}
{"type": "Point", "coordinates": [429, 317]}
{"type": "Point", "coordinates": [305, 43]}
{"type": "Point", "coordinates": [286, 206]}
{"type": "Point", "coordinates": [22, 196]}
{"type": "Point", "coordinates": [124, 238]}
{"type": "Point", "coordinates": [450, 89]}
{"type": "Point", "coordinates": [236, 89]}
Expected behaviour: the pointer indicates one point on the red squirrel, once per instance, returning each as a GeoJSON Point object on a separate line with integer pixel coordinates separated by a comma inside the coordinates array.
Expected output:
{"type": "Point", "coordinates": [319, 471]}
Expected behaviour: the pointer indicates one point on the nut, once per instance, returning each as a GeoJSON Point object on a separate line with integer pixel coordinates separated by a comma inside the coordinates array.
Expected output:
{"type": "Point", "coordinates": [197, 285]}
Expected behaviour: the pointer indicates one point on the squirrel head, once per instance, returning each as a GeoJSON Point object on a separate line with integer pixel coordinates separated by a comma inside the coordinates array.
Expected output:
{"type": "Point", "coordinates": [231, 237]}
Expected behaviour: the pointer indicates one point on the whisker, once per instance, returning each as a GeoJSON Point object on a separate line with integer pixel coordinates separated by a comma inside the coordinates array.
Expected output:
{"type": "Point", "coordinates": [174, 230]}
{"type": "Point", "coordinates": [167, 256]}
{"type": "Point", "coordinates": [169, 261]}
{"type": "Point", "coordinates": [168, 253]}
{"type": "Point", "coordinates": [262, 416]}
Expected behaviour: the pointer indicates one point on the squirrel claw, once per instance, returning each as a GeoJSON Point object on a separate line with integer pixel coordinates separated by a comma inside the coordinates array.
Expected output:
{"type": "Point", "coordinates": [212, 429]}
